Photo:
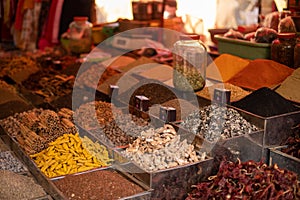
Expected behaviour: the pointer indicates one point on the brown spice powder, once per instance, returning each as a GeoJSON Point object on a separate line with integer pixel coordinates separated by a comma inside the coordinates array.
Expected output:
{"type": "Point", "coordinates": [290, 87]}
{"type": "Point", "coordinates": [102, 184]}
{"type": "Point", "coordinates": [261, 73]}
{"type": "Point", "coordinates": [237, 93]}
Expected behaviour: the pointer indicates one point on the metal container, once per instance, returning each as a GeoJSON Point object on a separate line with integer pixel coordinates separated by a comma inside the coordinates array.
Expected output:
{"type": "Point", "coordinates": [276, 128]}
{"type": "Point", "coordinates": [244, 147]}
{"type": "Point", "coordinates": [44, 181]}
{"type": "Point", "coordinates": [237, 146]}
{"type": "Point", "coordinates": [145, 195]}
{"type": "Point", "coordinates": [172, 183]}
{"type": "Point", "coordinates": [284, 160]}
{"type": "Point", "coordinates": [33, 169]}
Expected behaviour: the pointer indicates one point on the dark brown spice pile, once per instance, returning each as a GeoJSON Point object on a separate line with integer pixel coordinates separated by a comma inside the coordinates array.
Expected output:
{"type": "Point", "coordinates": [102, 184]}
{"type": "Point", "coordinates": [265, 102]}
{"type": "Point", "coordinates": [157, 94]}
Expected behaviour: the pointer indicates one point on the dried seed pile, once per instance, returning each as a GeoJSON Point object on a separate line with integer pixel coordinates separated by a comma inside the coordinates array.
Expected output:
{"type": "Point", "coordinates": [35, 128]}
{"type": "Point", "coordinates": [20, 64]}
{"type": "Point", "coordinates": [15, 186]}
{"type": "Point", "coordinates": [116, 128]}
{"type": "Point", "coordinates": [96, 73]}
{"type": "Point", "coordinates": [94, 114]}
{"type": "Point", "coordinates": [248, 180]}
{"type": "Point", "coordinates": [113, 135]}
{"type": "Point", "coordinates": [214, 122]}
{"type": "Point", "coordinates": [123, 130]}
{"type": "Point", "coordinates": [236, 92]}
{"type": "Point", "coordinates": [101, 184]}
{"type": "Point", "coordinates": [161, 148]}
{"type": "Point", "coordinates": [66, 155]}
{"type": "Point", "coordinates": [8, 161]}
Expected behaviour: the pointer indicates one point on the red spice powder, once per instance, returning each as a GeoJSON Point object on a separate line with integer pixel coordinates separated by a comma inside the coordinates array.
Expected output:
{"type": "Point", "coordinates": [261, 73]}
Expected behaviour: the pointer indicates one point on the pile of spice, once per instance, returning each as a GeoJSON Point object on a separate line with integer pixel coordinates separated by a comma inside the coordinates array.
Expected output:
{"type": "Point", "coordinates": [10, 101]}
{"type": "Point", "coordinates": [49, 85]}
{"type": "Point", "coordinates": [100, 184]}
{"type": "Point", "coordinates": [112, 135]}
{"type": "Point", "coordinates": [123, 130]}
{"type": "Point", "coordinates": [225, 67]}
{"type": "Point", "coordinates": [289, 88]}
{"type": "Point", "coordinates": [248, 180]}
{"type": "Point", "coordinates": [216, 122]}
{"type": "Point", "coordinates": [20, 68]}
{"type": "Point", "coordinates": [95, 114]}
{"type": "Point", "coordinates": [162, 93]}
{"type": "Point", "coordinates": [8, 161]}
{"type": "Point", "coordinates": [109, 124]}
{"type": "Point", "coordinates": [161, 148]}
{"type": "Point", "coordinates": [97, 150]}
{"type": "Point", "coordinates": [261, 73]}
{"type": "Point", "coordinates": [15, 186]}
{"type": "Point", "coordinates": [35, 128]}
{"type": "Point", "coordinates": [95, 75]}
{"type": "Point", "coordinates": [67, 155]}
{"type": "Point", "coordinates": [236, 93]}
{"type": "Point", "coordinates": [266, 103]}
{"type": "Point", "coordinates": [182, 106]}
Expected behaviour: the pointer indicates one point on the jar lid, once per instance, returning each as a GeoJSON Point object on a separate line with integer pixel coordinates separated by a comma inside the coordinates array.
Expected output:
{"type": "Point", "coordinates": [189, 37]}
{"type": "Point", "coordinates": [286, 35]}
{"type": "Point", "coordinates": [80, 18]}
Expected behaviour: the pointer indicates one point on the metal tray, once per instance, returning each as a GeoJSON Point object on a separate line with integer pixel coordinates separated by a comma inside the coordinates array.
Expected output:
{"type": "Point", "coordinates": [44, 181]}
{"type": "Point", "coordinates": [139, 196]}
{"type": "Point", "coordinates": [276, 128]}
{"type": "Point", "coordinates": [33, 169]}
{"type": "Point", "coordinates": [237, 143]}
{"type": "Point", "coordinates": [172, 183]}
{"type": "Point", "coordinates": [284, 160]}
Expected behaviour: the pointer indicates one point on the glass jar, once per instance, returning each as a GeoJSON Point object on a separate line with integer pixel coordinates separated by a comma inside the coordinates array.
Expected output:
{"type": "Point", "coordinates": [282, 49]}
{"type": "Point", "coordinates": [80, 35]}
{"type": "Point", "coordinates": [190, 62]}
{"type": "Point", "coordinates": [157, 9]}
{"type": "Point", "coordinates": [297, 54]}
{"type": "Point", "coordinates": [142, 9]}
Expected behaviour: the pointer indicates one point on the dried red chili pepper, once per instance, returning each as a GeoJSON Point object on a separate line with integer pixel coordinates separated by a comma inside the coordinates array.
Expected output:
{"type": "Point", "coordinates": [248, 180]}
